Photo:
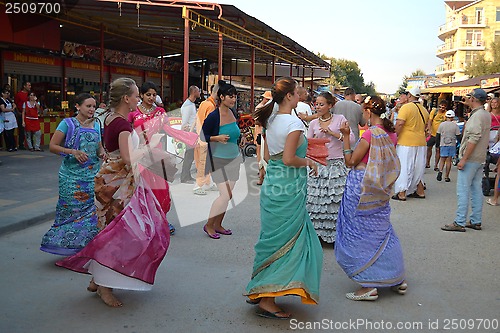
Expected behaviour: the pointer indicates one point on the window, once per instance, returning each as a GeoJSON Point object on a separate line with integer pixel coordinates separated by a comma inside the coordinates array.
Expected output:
{"type": "Point", "coordinates": [498, 14]}
{"type": "Point", "coordinates": [497, 36]}
{"type": "Point", "coordinates": [470, 57]}
{"type": "Point", "coordinates": [473, 37]}
{"type": "Point", "coordinates": [479, 15]}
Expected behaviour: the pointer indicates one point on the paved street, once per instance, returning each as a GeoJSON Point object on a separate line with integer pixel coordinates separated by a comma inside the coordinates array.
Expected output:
{"type": "Point", "coordinates": [199, 285]}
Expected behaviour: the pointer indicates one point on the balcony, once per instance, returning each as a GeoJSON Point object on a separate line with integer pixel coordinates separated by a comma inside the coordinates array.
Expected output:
{"type": "Point", "coordinates": [472, 45]}
{"type": "Point", "coordinates": [448, 69]}
{"type": "Point", "coordinates": [445, 50]}
{"type": "Point", "coordinates": [450, 28]}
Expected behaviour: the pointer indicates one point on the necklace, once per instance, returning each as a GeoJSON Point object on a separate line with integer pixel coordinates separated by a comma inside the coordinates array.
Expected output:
{"type": "Point", "coordinates": [325, 120]}
{"type": "Point", "coordinates": [147, 111]}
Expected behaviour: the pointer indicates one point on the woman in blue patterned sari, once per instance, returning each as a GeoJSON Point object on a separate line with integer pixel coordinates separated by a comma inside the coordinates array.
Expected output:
{"type": "Point", "coordinates": [288, 255]}
{"type": "Point", "coordinates": [367, 247]}
{"type": "Point", "coordinates": [78, 140]}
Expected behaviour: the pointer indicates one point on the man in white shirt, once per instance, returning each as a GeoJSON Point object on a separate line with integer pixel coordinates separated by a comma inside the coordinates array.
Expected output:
{"type": "Point", "coordinates": [188, 112]}
{"type": "Point", "coordinates": [303, 110]}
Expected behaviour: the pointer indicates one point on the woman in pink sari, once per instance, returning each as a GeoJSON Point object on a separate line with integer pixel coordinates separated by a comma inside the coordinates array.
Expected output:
{"type": "Point", "coordinates": [148, 118]}
{"type": "Point", "coordinates": [135, 234]}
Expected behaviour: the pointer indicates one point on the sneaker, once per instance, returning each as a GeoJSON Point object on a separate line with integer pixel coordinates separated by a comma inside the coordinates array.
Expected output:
{"type": "Point", "coordinates": [212, 187]}
{"type": "Point", "coordinates": [447, 180]}
{"type": "Point", "coordinates": [439, 176]}
{"type": "Point", "coordinates": [171, 228]}
{"type": "Point", "coordinates": [199, 191]}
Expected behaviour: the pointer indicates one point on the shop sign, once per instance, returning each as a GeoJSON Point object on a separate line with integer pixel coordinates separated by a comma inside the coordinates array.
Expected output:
{"type": "Point", "coordinates": [126, 71]}
{"type": "Point", "coordinates": [158, 75]}
{"type": "Point", "coordinates": [31, 58]}
{"type": "Point", "coordinates": [463, 91]}
{"type": "Point", "coordinates": [490, 83]}
{"type": "Point", "coordinates": [83, 65]}
{"type": "Point", "coordinates": [64, 105]}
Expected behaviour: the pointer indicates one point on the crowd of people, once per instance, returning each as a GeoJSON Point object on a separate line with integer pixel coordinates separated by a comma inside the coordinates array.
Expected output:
{"type": "Point", "coordinates": [114, 181]}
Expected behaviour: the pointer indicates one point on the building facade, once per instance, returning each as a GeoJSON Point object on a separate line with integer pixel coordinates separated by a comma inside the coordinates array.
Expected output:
{"type": "Point", "coordinates": [470, 29]}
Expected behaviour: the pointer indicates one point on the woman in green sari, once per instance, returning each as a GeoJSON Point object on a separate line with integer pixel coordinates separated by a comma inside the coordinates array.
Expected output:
{"type": "Point", "coordinates": [288, 256]}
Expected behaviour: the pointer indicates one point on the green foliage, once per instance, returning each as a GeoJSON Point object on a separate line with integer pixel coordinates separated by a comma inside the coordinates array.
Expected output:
{"type": "Point", "coordinates": [346, 73]}
{"type": "Point", "coordinates": [481, 66]}
{"type": "Point", "coordinates": [404, 84]}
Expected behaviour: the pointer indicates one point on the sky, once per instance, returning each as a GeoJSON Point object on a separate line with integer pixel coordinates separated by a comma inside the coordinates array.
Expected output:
{"type": "Point", "coordinates": [389, 39]}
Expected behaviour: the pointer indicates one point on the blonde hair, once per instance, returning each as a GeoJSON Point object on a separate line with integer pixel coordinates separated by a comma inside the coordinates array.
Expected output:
{"type": "Point", "coordinates": [119, 88]}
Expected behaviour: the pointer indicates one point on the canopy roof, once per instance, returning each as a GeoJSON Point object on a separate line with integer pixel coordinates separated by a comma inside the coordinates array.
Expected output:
{"type": "Point", "coordinates": [139, 26]}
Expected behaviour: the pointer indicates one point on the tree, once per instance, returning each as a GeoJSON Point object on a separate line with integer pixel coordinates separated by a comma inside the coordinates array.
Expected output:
{"type": "Point", "coordinates": [346, 73]}
{"type": "Point", "coordinates": [404, 85]}
{"type": "Point", "coordinates": [481, 66]}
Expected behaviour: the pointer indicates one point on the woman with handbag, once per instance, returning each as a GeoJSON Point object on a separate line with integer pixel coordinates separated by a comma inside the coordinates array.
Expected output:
{"type": "Point", "coordinates": [135, 234]}
{"type": "Point", "coordinates": [325, 191]}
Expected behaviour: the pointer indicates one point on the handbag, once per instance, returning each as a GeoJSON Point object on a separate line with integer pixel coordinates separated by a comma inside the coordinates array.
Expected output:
{"type": "Point", "coordinates": [495, 149]}
{"type": "Point", "coordinates": [316, 150]}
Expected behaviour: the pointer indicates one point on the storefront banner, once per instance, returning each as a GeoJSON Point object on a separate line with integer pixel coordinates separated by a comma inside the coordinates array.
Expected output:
{"type": "Point", "coordinates": [463, 91]}
{"type": "Point", "coordinates": [490, 83]}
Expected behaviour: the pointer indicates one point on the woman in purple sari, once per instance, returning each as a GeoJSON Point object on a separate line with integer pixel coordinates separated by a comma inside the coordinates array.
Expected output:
{"type": "Point", "coordinates": [367, 247]}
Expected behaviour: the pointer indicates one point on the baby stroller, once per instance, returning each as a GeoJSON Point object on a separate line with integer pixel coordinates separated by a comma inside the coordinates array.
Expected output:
{"type": "Point", "coordinates": [488, 181]}
{"type": "Point", "coordinates": [247, 126]}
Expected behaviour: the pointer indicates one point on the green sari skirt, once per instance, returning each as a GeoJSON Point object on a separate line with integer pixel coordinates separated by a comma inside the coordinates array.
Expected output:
{"type": "Point", "coordinates": [288, 255]}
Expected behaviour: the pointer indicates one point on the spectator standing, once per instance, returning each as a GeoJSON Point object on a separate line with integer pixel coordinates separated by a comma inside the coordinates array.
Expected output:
{"type": "Point", "coordinates": [8, 110]}
{"type": "Point", "coordinates": [21, 98]}
{"type": "Point", "coordinates": [31, 123]}
{"type": "Point", "coordinates": [351, 111]}
{"type": "Point", "coordinates": [436, 117]}
{"type": "Point", "coordinates": [203, 179]}
{"type": "Point", "coordinates": [188, 113]}
{"type": "Point", "coordinates": [303, 109]}
{"type": "Point", "coordinates": [472, 154]}
{"type": "Point", "coordinates": [447, 136]}
{"type": "Point", "coordinates": [411, 148]}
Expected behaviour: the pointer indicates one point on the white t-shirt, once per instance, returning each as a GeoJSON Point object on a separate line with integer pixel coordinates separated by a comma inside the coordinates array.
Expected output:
{"type": "Point", "coordinates": [278, 130]}
{"type": "Point", "coordinates": [188, 112]}
{"type": "Point", "coordinates": [304, 108]}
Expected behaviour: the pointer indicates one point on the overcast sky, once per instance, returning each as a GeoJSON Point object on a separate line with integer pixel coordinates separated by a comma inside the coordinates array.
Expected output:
{"type": "Point", "coordinates": [387, 38]}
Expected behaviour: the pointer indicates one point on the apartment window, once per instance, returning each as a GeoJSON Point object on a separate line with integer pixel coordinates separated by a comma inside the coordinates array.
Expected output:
{"type": "Point", "coordinates": [497, 36]}
{"type": "Point", "coordinates": [479, 15]}
{"type": "Point", "coordinates": [498, 14]}
{"type": "Point", "coordinates": [473, 36]}
{"type": "Point", "coordinates": [470, 57]}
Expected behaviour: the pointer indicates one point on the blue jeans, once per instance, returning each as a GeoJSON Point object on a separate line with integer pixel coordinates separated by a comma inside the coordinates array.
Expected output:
{"type": "Point", "coordinates": [469, 189]}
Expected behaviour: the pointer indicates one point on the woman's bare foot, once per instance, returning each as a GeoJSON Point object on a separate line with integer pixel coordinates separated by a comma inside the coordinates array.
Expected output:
{"type": "Point", "coordinates": [108, 298]}
{"type": "Point", "coordinates": [92, 286]}
{"type": "Point", "coordinates": [267, 304]}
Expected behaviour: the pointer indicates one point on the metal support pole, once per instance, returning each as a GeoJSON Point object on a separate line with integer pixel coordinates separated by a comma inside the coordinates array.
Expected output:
{"type": "Point", "coordinates": [101, 69]}
{"type": "Point", "coordinates": [273, 70]}
{"type": "Point", "coordinates": [303, 76]}
{"type": "Point", "coordinates": [312, 78]}
{"type": "Point", "coordinates": [252, 81]}
{"type": "Point", "coordinates": [220, 57]}
{"type": "Point", "coordinates": [186, 54]}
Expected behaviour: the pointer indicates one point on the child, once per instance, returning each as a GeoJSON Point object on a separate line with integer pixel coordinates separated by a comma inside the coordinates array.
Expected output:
{"type": "Point", "coordinates": [446, 137]}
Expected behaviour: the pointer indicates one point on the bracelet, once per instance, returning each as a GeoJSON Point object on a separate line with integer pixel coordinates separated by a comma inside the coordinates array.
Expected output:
{"type": "Point", "coordinates": [347, 151]}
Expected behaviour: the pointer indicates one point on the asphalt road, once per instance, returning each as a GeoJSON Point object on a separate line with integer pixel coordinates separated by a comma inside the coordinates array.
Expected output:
{"type": "Point", "coordinates": [454, 279]}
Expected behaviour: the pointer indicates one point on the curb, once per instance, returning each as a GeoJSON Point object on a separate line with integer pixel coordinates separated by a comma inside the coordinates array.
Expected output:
{"type": "Point", "coordinates": [29, 222]}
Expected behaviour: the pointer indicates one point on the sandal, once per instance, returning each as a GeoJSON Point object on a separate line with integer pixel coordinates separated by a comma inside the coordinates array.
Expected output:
{"type": "Point", "coordinates": [396, 197]}
{"type": "Point", "coordinates": [491, 203]}
{"type": "Point", "coordinates": [473, 226]}
{"type": "Point", "coordinates": [200, 191]}
{"type": "Point", "coordinates": [447, 180]}
{"type": "Point", "coordinates": [453, 227]}
{"type": "Point", "coordinates": [400, 288]}
{"type": "Point", "coordinates": [271, 315]}
{"type": "Point", "coordinates": [365, 297]}
{"type": "Point", "coordinates": [416, 195]}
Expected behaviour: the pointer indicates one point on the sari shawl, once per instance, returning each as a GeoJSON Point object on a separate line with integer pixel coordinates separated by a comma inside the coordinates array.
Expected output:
{"type": "Point", "coordinates": [288, 254]}
{"type": "Point", "coordinates": [367, 247]}
{"type": "Point", "coordinates": [136, 235]}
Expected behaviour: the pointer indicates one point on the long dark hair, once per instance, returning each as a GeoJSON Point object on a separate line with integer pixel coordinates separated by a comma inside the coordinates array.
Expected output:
{"type": "Point", "coordinates": [280, 88]}
{"type": "Point", "coordinates": [376, 105]}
